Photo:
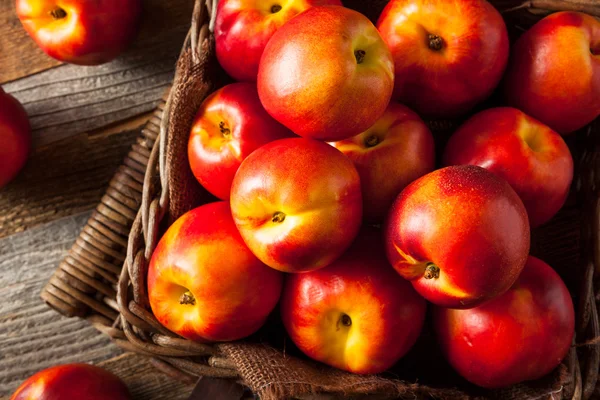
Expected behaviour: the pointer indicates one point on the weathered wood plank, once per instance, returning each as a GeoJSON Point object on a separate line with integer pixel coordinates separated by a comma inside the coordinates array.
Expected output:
{"type": "Point", "coordinates": [71, 99]}
{"type": "Point", "coordinates": [68, 100]}
{"type": "Point", "coordinates": [32, 336]}
{"type": "Point", "coordinates": [20, 55]}
{"type": "Point", "coordinates": [144, 381]}
{"type": "Point", "coordinates": [62, 179]}
{"type": "Point", "coordinates": [163, 25]}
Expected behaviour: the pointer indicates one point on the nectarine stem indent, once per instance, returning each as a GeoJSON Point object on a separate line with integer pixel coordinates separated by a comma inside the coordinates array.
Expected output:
{"type": "Point", "coordinates": [432, 271]}
{"type": "Point", "coordinates": [346, 320]}
{"type": "Point", "coordinates": [435, 42]}
{"type": "Point", "coordinates": [275, 9]}
{"type": "Point", "coordinates": [360, 56]}
{"type": "Point", "coordinates": [225, 131]}
{"type": "Point", "coordinates": [58, 13]}
{"type": "Point", "coordinates": [278, 217]}
{"type": "Point", "coordinates": [372, 141]}
{"type": "Point", "coordinates": [187, 298]}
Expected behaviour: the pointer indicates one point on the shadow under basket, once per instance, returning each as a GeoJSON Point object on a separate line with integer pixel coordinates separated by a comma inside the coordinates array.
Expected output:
{"type": "Point", "coordinates": [103, 278]}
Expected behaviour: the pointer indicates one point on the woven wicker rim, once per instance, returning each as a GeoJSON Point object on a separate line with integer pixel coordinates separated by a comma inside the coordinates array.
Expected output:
{"type": "Point", "coordinates": [142, 333]}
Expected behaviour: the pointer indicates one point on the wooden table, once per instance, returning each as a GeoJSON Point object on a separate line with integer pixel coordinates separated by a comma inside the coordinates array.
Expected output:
{"type": "Point", "coordinates": [84, 119]}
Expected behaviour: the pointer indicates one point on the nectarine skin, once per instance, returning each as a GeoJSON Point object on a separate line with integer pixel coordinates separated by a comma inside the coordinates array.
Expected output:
{"type": "Point", "coordinates": [459, 234]}
{"type": "Point", "coordinates": [81, 32]}
{"type": "Point", "coordinates": [326, 74]}
{"type": "Point", "coordinates": [554, 71]}
{"type": "Point", "coordinates": [532, 158]}
{"type": "Point", "coordinates": [243, 29]}
{"type": "Point", "coordinates": [204, 283]}
{"type": "Point", "coordinates": [356, 314]}
{"type": "Point", "coordinates": [297, 203]}
{"type": "Point", "coordinates": [395, 151]}
{"type": "Point", "coordinates": [449, 55]}
{"type": "Point", "coordinates": [230, 124]}
{"type": "Point", "coordinates": [521, 335]}
{"type": "Point", "coordinates": [15, 137]}
{"type": "Point", "coordinates": [72, 381]}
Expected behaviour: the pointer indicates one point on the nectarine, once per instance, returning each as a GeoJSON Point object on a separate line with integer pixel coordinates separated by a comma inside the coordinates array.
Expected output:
{"type": "Point", "coordinates": [459, 234]}
{"type": "Point", "coordinates": [326, 74]}
{"type": "Point", "coordinates": [356, 314]}
{"type": "Point", "coordinates": [297, 203]}
{"type": "Point", "coordinates": [204, 283]}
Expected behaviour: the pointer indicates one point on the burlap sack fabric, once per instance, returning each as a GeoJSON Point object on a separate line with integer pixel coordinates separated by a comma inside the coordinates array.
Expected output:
{"type": "Point", "coordinates": [269, 372]}
{"type": "Point", "coordinates": [193, 82]}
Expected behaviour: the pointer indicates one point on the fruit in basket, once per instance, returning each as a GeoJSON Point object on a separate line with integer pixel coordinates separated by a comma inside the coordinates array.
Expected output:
{"type": "Point", "coordinates": [459, 234]}
{"type": "Point", "coordinates": [521, 335]}
{"type": "Point", "coordinates": [297, 204]}
{"type": "Point", "coordinates": [449, 55]}
{"type": "Point", "coordinates": [554, 71]}
{"type": "Point", "coordinates": [395, 151]}
{"type": "Point", "coordinates": [243, 29]}
{"type": "Point", "coordinates": [326, 74]}
{"type": "Point", "coordinates": [81, 32]}
{"type": "Point", "coordinates": [204, 283]}
{"type": "Point", "coordinates": [15, 137]}
{"type": "Point", "coordinates": [532, 158]}
{"type": "Point", "coordinates": [230, 124]}
{"type": "Point", "coordinates": [356, 314]}
{"type": "Point", "coordinates": [72, 381]}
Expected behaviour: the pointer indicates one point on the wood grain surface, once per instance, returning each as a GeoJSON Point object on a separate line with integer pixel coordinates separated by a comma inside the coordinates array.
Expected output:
{"type": "Point", "coordinates": [62, 179]}
{"type": "Point", "coordinates": [34, 337]}
{"type": "Point", "coordinates": [70, 99]}
{"type": "Point", "coordinates": [20, 55]}
{"type": "Point", "coordinates": [144, 381]}
{"type": "Point", "coordinates": [84, 121]}
{"type": "Point", "coordinates": [82, 117]}
{"type": "Point", "coordinates": [164, 25]}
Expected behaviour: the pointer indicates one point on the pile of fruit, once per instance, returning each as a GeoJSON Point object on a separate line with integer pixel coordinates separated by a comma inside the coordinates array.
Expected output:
{"type": "Point", "coordinates": [332, 203]}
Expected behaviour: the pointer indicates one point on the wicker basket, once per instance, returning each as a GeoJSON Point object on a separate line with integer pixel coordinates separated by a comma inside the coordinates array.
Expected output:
{"type": "Point", "coordinates": [155, 186]}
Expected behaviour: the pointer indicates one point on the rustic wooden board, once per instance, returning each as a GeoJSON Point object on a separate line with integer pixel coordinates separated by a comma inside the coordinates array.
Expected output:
{"type": "Point", "coordinates": [62, 179]}
{"type": "Point", "coordinates": [67, 173]}
{"type": "Point", "coordinates": [32, 336]}
{"type": "Point", "coordinates": [66, 176]}
{"type": "Point", "coordinates": [70, 99]}
{"type": "Point", "coordinates": [20, 55]}
{"type": "Point", "coordinates": [144, 381]}
{"type": "Point", "coordinates": [164, 24]}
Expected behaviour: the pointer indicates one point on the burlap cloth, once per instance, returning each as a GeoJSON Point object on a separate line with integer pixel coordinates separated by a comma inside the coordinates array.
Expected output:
{"type": "Point", "coordinates": [269, 372]}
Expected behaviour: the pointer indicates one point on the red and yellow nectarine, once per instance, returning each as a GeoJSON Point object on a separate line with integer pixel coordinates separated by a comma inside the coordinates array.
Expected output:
{"type": "Point", "coordinates": [449, 55]}
{"type": "Point", "coordinates": [81, 32]}
{"type": "Point", "coordinates": [297, 203]}
{"type": "Point", "coordinates": [532, 158]}
{"type": "Point", "coordinates": [395, 151]}
{"type": "Point", "coordinates": [519, 336]}
{"type": "Point", "coordinates": [459, 234]}
{"type": "Point", "coordinates": [230, 124]}
{"type": "Point", "coordinates": [554, 71]}
{"type": "Point", "coordinates": [70, 382]}
{"type": "Point", "coordinates": [243, 29]}
{"type": "Point", "coordinates": [15, 137]}
{"type": "Point", "coordinates": [356, 314]}
{"type": "Point", "coordinates": [204, 283]}
{"type": "Point", "coordinates": [326, 74]}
